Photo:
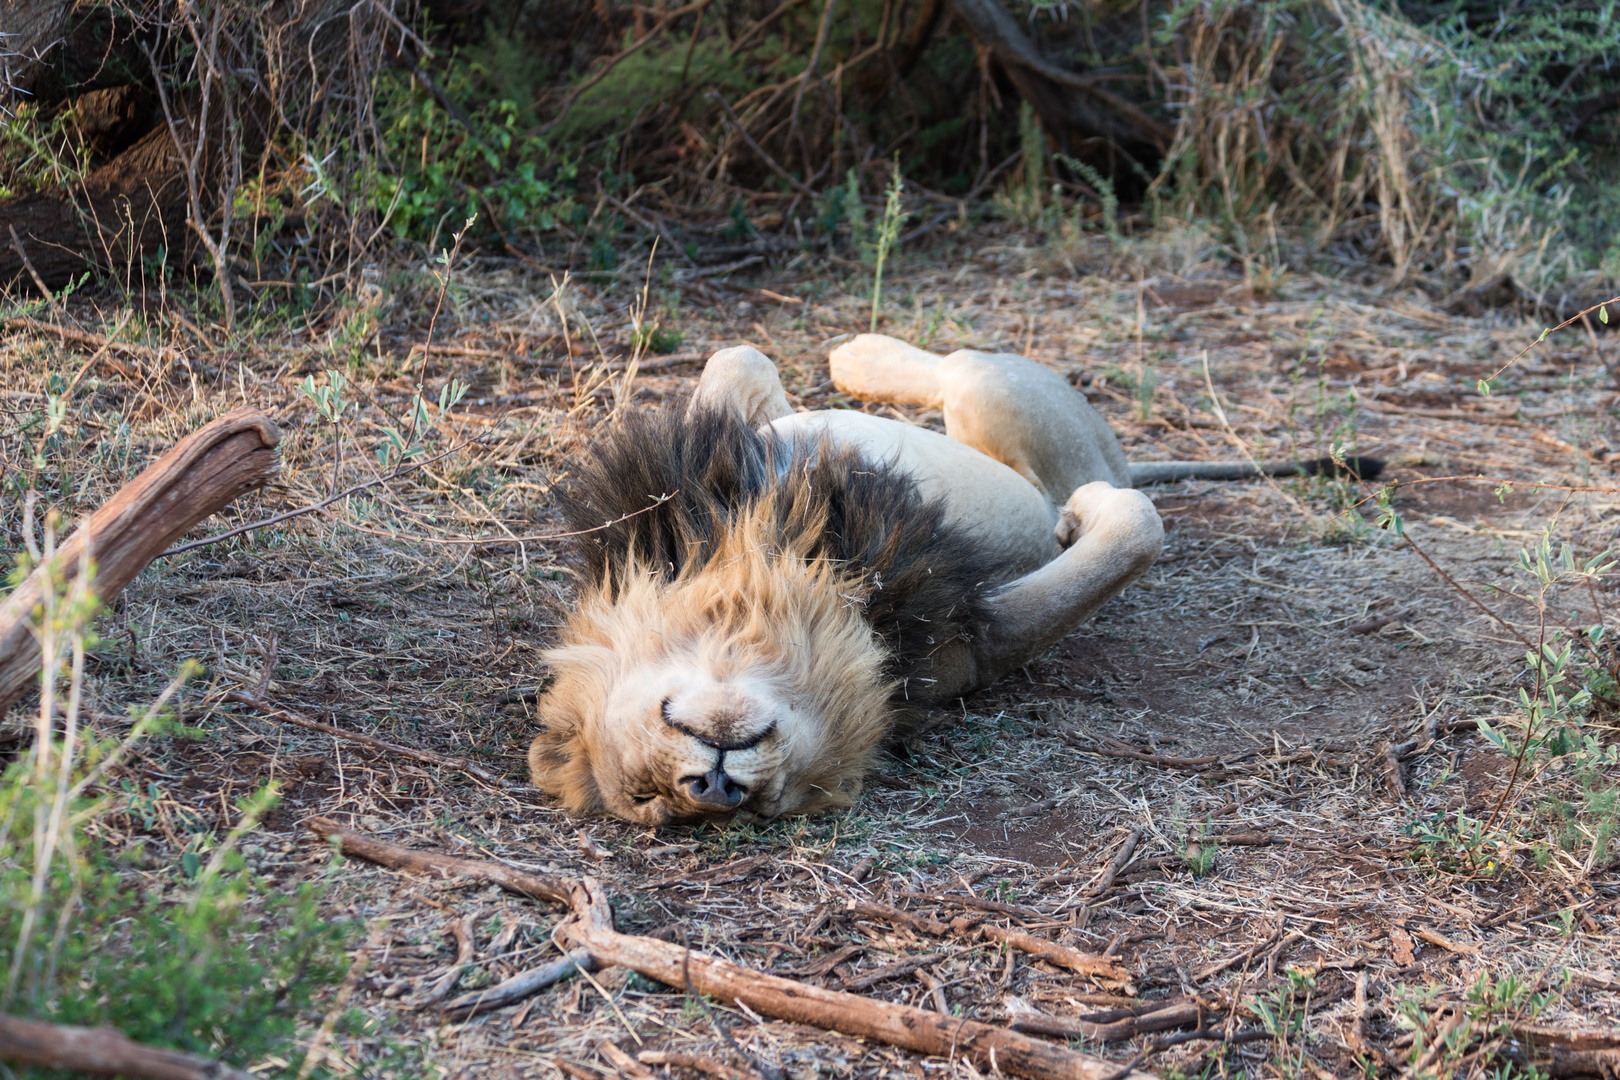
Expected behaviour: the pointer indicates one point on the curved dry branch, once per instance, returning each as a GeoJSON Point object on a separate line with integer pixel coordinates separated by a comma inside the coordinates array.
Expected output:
{"type": "Point", "coordinates": [226, 457]}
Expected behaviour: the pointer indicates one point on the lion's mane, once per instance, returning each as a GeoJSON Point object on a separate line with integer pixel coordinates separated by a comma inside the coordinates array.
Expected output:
{"type": "Point", "coordinates": [702, 537]}
{"type": "Point", "coordinates": [670, 488]}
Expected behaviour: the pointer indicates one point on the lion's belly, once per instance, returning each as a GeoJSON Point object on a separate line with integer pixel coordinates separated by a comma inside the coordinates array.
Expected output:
{"type": "Point", "coordinates": [1005, 512]}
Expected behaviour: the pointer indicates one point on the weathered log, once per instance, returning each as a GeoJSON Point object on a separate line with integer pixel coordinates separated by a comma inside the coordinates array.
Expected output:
{"type": "Point", "coordinates": [198, 477]}
{"type": "Point", "coordinates": [591, 928]}
{"type": "Point", "coordinates": [103, 1052]}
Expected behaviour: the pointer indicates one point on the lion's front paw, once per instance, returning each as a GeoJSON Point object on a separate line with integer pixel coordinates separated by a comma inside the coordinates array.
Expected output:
{"type": "Point", "coordinates": [1094, 504]}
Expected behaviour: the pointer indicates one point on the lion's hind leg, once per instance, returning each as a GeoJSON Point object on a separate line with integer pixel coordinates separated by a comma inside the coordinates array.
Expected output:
{"type": "Point", "coordinates": [1010, 408]}
{"type": "Point", "coordinates": [876, 367]}
{"type": "Point", "coordinates": [744, 380]}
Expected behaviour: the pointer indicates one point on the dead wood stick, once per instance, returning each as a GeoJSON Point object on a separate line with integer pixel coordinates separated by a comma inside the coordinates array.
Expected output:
{"type": "Point", "coordinates": [519, 986]}
{"type": "Point", "coordinates": [892, 971]}
{"type": "Point", "coordinates": [619, 1059]}
{"type": "Point", "coordinates": [224, 458]}
{"type": "Point", "coordinates": [462, 930]}
{"type": "Point", "coordinates": [1121, 1030]}
{"type": "Point", "coordinates": [866, 909]}
{"type": "Point", "coordinates": [1126, 850]}
{"type": "Point", "coordinates": [591, 928]}
{"type": "Point", "coordinates": [96, 341]}
{"type": "Point", "coordinates": [697, 1063]}
{"type": "Point", "coordinates": [1088, 964]}
{"type": "Point", "coordinates": [1102, 968]}
{"type": "Point", "coordinates": [427, 757]}
{"type": "Point", "coordinates": [103, 1052]}
{"type": "Point", "coordinates": [978, 904]}
{"type": "Point", "coordinates": [396, 857]}
{"type": "Point", "coordinates": [909, 1028]}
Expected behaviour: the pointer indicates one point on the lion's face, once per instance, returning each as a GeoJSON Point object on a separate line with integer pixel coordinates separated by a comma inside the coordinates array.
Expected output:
{"type": "Point", "coordinates": [750, 687]}
{"type": "Point", "coordinates": [673, 743]}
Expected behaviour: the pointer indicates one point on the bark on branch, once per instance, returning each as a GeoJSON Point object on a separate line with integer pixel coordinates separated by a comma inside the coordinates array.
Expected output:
{"type": "Point", "coordinates": [591, 929]}
{"type": "Point", "coordinates": [197, 478]}
{"type": "Point", "coordinates": [103, 1052]}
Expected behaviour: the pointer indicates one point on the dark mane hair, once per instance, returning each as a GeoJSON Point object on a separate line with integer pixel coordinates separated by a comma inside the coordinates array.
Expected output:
{"type": "Point", "coordinates": [663, 487]}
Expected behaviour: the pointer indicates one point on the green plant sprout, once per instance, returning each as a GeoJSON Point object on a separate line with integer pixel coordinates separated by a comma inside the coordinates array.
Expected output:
{"type": "Point", "coordinates": [888, 235]}
{"type": "Point", "coordinates": [1105, 195]}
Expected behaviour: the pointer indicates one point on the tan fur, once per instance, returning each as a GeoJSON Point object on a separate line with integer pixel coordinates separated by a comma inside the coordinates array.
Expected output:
{"type": "Point", "coordinates": [755, 635]}
{"type": "Point", "coordinates": [759, 662]}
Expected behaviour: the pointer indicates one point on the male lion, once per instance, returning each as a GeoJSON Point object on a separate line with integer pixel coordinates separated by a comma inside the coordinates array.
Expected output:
{"type": "Point", "coordinates": [766, 592]}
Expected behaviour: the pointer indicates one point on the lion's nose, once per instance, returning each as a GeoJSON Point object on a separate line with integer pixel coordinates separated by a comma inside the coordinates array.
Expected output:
{"type": "Point", "coordinates": [714, 788]}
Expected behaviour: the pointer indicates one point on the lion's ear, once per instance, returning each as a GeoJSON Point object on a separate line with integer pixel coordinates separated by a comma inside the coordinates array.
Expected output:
{"type": "Point", "coordinates": [560, 765]}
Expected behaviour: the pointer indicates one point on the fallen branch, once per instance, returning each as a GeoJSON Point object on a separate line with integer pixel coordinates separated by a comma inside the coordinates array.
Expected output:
{"type": "Point", "coordinates": [591, 928]}
{"type": "Point", "coordinates": [427, 757]}
{"type": "Point", "coordinates": [1102, 968]}
{"type": "Point", "coordinates": [200, 476]}
{"type": "Point", "coordinates": [87, 340]}
{"type": "Point", "coordinates": [1106, 881]}
{"type": "Point", "coordinates": [697, 1063]}
{"type": "Point", "coordinates": [519, 986]}
{"type": "Point", "coordinates": [558, 890]}
{"type": "Point", "coordinates": [103, 1052]}
{"type": "Point", "coordinates": [1172, 1016]}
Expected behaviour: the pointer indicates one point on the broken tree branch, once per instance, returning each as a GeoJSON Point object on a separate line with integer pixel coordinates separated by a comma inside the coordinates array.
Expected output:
{"type": "Point", "coordinates": [519, 986]}
{"type": "Point", "coordinates": [200, 476]}
{"type": "Point", "coordinates": [103, 1052]}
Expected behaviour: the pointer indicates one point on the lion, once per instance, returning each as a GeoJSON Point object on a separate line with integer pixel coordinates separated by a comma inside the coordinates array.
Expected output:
{"type": "Point", "coordinates": [768, 595]}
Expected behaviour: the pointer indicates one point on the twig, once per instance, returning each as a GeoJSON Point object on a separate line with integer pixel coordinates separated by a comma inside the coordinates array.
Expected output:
{"type": "Point", "coordinates": [163, 354]}
{"type": "Point", "coordinates": [770, 162]}
{"type": "Point", "coordinates": [277, 519]}
{"type": "Point", "coordinates": [1173, 1015]}
{"type": "Point", "coordinates": [697, 1063]}
{"type": "Point", "coordinates": [427, 757]}
{"type": "Point", "coordinates": [39, 282]}
{"type": "Point", "coordinates": [462, 930]}
{"type": "Point", "coordinates": [613, 61]}
{"type": "Point", "coordinates": [760, 1070]}
{"type": "Point", "coordinates": [103, 1052]}
{"type": "Point", "coordinates": [1591, 335]}
{"type": "Point", "coordinates": [1119, 860]}
{"type": "Point", "coordinates": [519, 986]}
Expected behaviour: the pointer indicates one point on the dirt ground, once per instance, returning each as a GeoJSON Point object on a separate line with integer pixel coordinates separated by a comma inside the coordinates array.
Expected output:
{"type": "Point", "coordinates": [1278, 720]}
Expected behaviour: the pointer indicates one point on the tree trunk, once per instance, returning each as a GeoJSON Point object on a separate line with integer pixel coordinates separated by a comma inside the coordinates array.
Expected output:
{"type": "Point", "coordinates": [128, 209]}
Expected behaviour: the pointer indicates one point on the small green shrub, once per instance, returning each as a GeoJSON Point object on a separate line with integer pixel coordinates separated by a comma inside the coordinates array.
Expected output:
{"type": "Point", "coordinates": [440, 170]}
{"type": "Point", "coordinates": [200, 957]}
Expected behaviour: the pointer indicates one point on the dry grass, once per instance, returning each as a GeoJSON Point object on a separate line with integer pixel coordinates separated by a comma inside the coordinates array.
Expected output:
{"type": "Point", "coordinates": [378, 615]}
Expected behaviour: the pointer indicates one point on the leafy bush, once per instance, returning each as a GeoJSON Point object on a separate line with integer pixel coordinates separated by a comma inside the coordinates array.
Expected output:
{"type": "Point", "coordinates": [441, 171]}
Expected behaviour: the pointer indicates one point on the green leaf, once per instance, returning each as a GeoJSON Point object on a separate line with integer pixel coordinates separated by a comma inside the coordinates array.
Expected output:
{"type": "Point", "coordinates": [1603, 313]}
{"type": "Point", "coordinates": [190, 864]}
{"type": "Point", "coordinates": [1484, 387]}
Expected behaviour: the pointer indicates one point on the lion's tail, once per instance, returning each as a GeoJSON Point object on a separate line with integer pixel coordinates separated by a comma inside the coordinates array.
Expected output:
{"type": "Point", "coordinates": [1144, 473]}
